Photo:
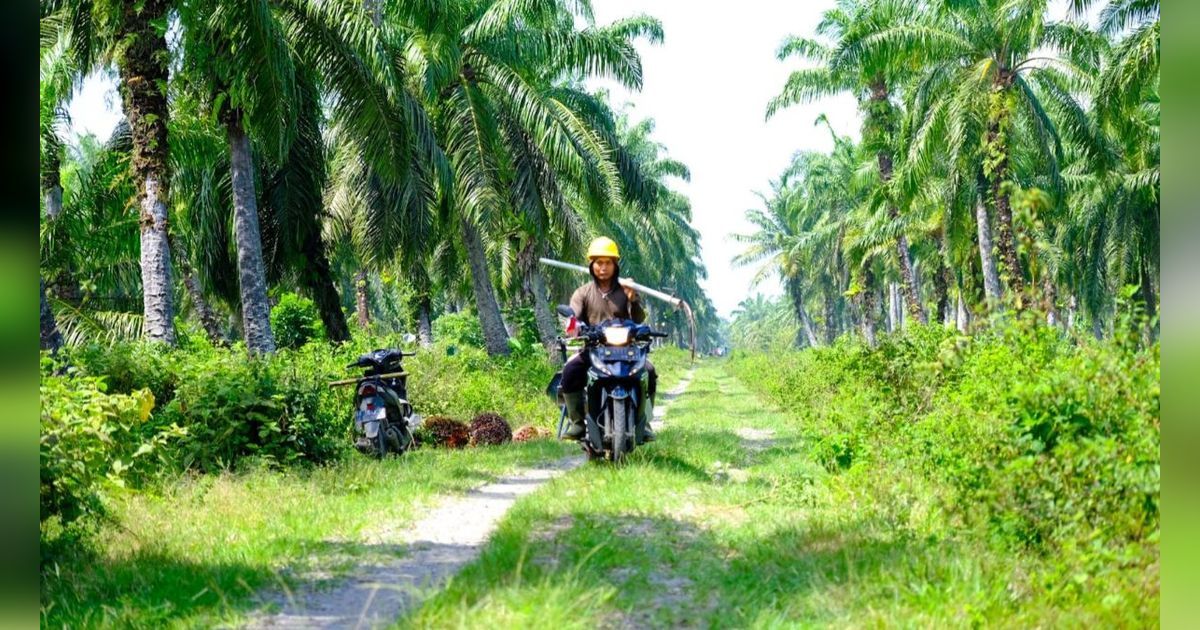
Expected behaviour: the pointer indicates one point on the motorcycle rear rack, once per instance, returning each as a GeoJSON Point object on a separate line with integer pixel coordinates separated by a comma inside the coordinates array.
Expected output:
{"type": "Point", "coordinates": [355, 381]}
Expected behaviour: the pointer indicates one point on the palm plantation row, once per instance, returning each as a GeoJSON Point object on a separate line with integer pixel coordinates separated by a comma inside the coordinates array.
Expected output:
{"type": "Point", "coordinates": [1006, 163]}
{"type": "Point", "coordinates": [377, 147]}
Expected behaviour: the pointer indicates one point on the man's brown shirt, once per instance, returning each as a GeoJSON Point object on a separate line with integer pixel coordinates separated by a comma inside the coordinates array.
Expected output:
{"type": "Point", "coordinates": [592, 306]}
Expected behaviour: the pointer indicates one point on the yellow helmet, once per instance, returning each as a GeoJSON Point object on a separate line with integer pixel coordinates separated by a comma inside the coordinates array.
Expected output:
{"type": "Point", "coordinates": [603, 246]}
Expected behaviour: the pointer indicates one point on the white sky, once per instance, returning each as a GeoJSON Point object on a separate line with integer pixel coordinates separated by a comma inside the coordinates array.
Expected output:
{"type": "Point", "coordinates": [706, 87]}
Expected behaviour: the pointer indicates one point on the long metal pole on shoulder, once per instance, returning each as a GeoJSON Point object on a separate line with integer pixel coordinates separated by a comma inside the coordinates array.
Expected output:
{"type": "Point", "coordinates": [670, 299]}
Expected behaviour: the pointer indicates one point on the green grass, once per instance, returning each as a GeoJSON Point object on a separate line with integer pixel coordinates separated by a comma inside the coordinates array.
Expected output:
{"type": "Point", "coordinates": [194, 553]}
{"type": "Point", "coordinates": [702, 530]}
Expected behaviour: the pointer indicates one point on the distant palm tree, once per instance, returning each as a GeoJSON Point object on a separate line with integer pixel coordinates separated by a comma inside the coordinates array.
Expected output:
{"type": "Point", "coordinates": [977, 101]}
{"type": "Point", "coordinates": [872, 78]}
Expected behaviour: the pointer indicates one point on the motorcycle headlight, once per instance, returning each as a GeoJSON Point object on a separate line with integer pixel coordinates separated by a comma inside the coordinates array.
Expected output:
{"type": "Point", "coordinates": [616, 335]}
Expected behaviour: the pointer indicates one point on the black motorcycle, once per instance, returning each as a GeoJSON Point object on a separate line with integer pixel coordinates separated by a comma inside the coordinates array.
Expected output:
{"type": "Point", "coordinates": [618, 350]}
{"type": "Point", "coordinates": [383, 417]}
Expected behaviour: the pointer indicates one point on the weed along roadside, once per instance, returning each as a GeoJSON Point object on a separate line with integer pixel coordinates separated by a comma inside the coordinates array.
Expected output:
{"type": "Point", "coordinates": [796, 496]}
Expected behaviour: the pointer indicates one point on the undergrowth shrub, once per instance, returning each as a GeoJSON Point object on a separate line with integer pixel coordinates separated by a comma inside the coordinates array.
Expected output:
{"type": "Point", "coordinates": [89, 438]}
{"type": "Point", "coordinates": [295, 321]}
{"type": "Point", "coordinates": [1040, 441]}
{"type": "Point", "coordinates": [458, 329]}
{"type": "Point", "coordinates": [279, 409]}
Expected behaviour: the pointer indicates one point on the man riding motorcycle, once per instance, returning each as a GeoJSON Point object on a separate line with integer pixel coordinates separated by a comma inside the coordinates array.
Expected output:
{"type": "Point", "coordinates": [595, 302]}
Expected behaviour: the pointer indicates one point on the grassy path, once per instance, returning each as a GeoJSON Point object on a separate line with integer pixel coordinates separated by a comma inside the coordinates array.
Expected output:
{"type": "Point", "coordinates": [686, 535]}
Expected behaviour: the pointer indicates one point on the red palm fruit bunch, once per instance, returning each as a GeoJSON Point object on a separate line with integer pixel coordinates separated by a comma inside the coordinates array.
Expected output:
{"type": "Point", "coordinates": [530, 432]}
{"type": "Point", "coordinates": [445, 431]}
{"type": "Point", "coordinates": [490, 428]}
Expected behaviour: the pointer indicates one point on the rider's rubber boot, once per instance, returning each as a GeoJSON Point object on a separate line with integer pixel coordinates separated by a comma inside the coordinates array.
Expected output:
{"type": "Point", "coordinates": [645, 415]}
{"type": "Point", "coordinates": [576, 430]}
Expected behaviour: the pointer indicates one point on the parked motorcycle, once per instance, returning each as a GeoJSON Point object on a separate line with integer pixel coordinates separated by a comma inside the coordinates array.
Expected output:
{"type": "Point", "coordinates": [618, 350]}
{"type": "Point", "coordinates": [383, 418]}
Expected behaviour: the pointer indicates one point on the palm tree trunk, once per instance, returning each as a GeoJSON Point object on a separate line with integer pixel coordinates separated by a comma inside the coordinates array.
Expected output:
{"type": "Point", "coordinates": [895, 311]}
{"type": "Point", "coordinates": [1050, 298]}
{"type": "Point", "coordinates": [143, 71]}
{"type": "Point", "coordinates": [884, 158]}
{"type": "Point", "coordinates": [425, 322]}
{"type": "Point", "coordinates": [1148, 298]}
{"type": "Point", "coordinates": [252, 275]}
{"type": "Point", "coordinates": [362, 306]}
{"type": "Point", "coordinates": [534, 285]}
{"type": "Point", "coordinates": [547, 325]}
{"type": "Point", "coordinates": [320, 283]}
{"type": "Point", "coordinates": [987, 257]}
{"type": "Point", "coordinates": [494, 335]}
{"type": "Point", "coordinates": [962, 318]}
{"type": "Point", "coordinates": [795, 292]}
{"type": "Point", "coordinates": [941, 282]}
{"type": "Point", "coordinates": [64, 284]}
{"type": "Point", "coordinates": [999, 126]}
{"type": "Point", "coordinates": [830, 315]}
{"type": "Point", "coordinates": [867, 298]}
{"type": "Point", "coordinates": [204, 311]}
{"type": "Point", "coordinates": [51, 339]}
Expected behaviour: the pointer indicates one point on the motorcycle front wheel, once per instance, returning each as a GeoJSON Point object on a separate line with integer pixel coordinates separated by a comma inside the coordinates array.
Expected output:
{"type": "Point", "coordinates": [618, 410]}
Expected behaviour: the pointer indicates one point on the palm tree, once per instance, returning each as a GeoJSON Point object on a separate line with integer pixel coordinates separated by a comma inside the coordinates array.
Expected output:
{"type": "Point", "coordinates": [133, 36]}
{"type": "Point", "coordinates": [249, 61]}
{"type": "Point", "coordinates": [485, 71]}
{"type": "Point", "coordinates": [871, 78]}
{"type": "Point", "coordinates": [978, 98]}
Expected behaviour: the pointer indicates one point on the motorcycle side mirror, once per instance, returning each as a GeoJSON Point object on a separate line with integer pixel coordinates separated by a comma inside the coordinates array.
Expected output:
{"type": "Point", "coordinates": [565, 311]}
{"type": "Point", "coordinates": [409, 337]}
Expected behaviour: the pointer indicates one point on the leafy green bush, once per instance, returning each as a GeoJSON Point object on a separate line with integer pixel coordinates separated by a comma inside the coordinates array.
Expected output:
{"type": "Point", "coordinates": [458, 329]}
{"type": "Point", "coordinates": [279, 409]}
{"type": "Point", "coordinates": [89, 438]}
{"type": "Point", "coordinates": [295, 321]}
{"type": "Point", "coordinates": [272, 408]}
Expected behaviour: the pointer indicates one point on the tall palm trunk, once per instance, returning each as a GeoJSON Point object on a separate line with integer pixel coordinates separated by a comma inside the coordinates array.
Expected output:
{"type": "Point", "coordinates": [830, 313]}
{"type": "Point", "coordinates": [1050, 298]}
{"type": "Point", "coordinates": [884, 123]}
{"type": "Point", "coordinates": [997, 153]}
{"type": "Point", "coordinates": [252, 274]}
{"type": "Point", "coordinates": [941, 282]}
{"type": "Point", "coordinates": [362, 306]}
{"type": "Point", "coordinates": [320, 283]}
{"type": "Point", "coordinates": [987, 256]}
{"type": "Point", "coordinates": [204, 312]}
{"type": "Point", "coordinates": [867, 302]}
{"type": "Point", "coordinates": [425, 322]}
{"type": "Point", "coordinates": [1148, 293]}
{"type": "Point", "coordinates": [535, 285]}
{"type": "Point", "coordinates": [494, 335]}
{"type": "Point", "coordinates": [51, 338]}
{"type": "Point", "coordinates": [143, 71]}
{"type": "Point", "coordinates": [63, 285]}
{"type": "Point", "coordinates": [795, 292]}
